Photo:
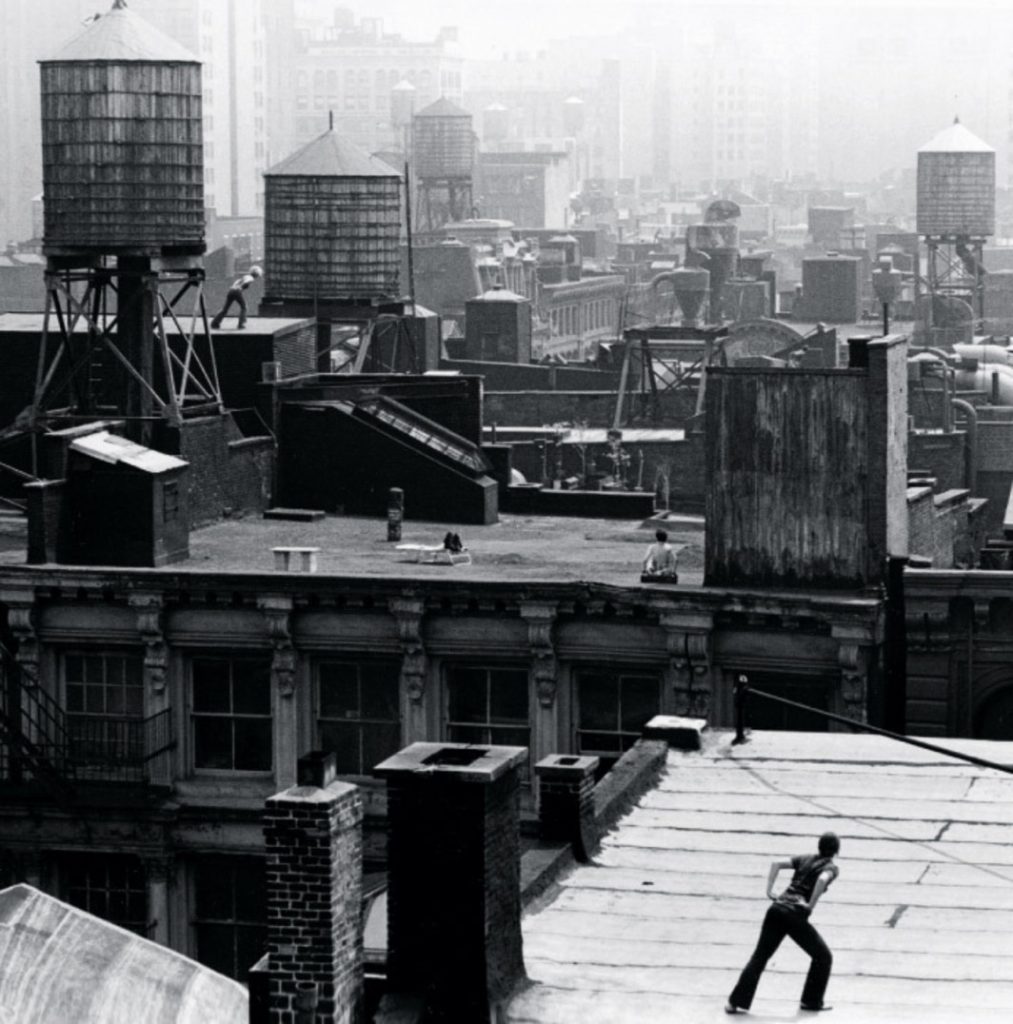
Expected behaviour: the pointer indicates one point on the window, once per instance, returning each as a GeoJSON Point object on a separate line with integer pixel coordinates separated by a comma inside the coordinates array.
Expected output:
{"type": "Point", "coordinates": [231, 701]}
{"type": "Point", "coordinates": [110, 886]}
{"type": "Point", "coordinates": [613, 708]}
{"type": "Point", "coordinates": [230, 913]}
{"type": "Point", "coordinates": [358, 718]}
{"type": "Point", "coordinates": [105, 703]}
{"type": "Point", "coordinates": [488, 705]}
{"type": "Point", "coordinates": [765, 714]}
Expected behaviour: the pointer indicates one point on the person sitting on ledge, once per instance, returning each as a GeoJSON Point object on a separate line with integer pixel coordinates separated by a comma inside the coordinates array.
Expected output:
{"type": "Point", "coordinates": [659, 562]}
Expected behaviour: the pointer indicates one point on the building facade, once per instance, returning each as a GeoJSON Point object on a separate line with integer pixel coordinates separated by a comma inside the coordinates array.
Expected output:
{"type": "Point", "coordinates": [184, 698]}
{"type": "Point", "coordinates": [350, 69]}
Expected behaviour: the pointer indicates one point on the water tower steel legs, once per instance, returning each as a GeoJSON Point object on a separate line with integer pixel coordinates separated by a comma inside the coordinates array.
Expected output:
{"type": "Point", "coordinates": [957, 265]}
{"type": "Point", "coordinates": [166, 373]}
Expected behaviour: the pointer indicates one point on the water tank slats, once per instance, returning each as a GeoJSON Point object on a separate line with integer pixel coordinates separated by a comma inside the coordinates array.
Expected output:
{"type": "Point", "coordinates": [956, 192]}
{"type": "Point", "coordinates": [122, 152]}
{"type": "Point", "coordinates": [332, 237]}
{"type": "Point", "coordinates": [443, 143]}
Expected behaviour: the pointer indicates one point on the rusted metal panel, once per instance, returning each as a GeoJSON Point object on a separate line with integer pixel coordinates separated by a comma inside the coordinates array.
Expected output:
{"type": "Point", "coordinates": [787, 482]}
{"type": "Point", "coordinates": [956, 194]}
{"type": "Point", "coordinates": [122, 153]}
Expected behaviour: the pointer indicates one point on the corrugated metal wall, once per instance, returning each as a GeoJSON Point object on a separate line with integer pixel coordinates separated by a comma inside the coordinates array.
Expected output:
{"type": "Point", "coordinates": [786, 477]}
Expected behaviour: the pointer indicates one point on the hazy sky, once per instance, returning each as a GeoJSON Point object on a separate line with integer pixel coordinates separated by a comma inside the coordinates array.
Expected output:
{"type": "Point", "coordinates": [488, 28]}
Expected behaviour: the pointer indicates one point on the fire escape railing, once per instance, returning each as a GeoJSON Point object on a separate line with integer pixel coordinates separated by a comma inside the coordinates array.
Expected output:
{"type": "Point", "coordinates": [41, 742]}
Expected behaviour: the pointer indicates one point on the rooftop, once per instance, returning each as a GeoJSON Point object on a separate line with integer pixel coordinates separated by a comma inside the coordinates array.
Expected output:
{"type": "Point", "coordinates": [256, 326]}
{"type": "Point", "coordinates": [658, 928]}
{"type": "Point", "coordinates": [516, 549]}
{"type": "Point", "coordinates": [60, 964]}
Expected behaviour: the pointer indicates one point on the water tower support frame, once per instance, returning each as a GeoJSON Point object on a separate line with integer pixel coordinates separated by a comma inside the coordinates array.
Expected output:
{"type": "Point", "coordinates": [948, 272]}
{"type": "Point", "coordinates": [148, 295]}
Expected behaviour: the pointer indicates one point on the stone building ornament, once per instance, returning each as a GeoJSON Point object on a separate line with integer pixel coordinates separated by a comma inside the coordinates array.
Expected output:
{"type": "Point", "coordinates": [278, 612]}
{"type": "Point", "coordinates": [21, 620]}
{"type": "Point", "coordinates": [544, 666]}
{"type": "Point", "coordinates": [851, 658]}
{"type": "Point", "coordinates": [689, 664]}
{"type": "Point", "coordinates": [149, 609]}
{"type": "Point", "coordinates": [408, 612]}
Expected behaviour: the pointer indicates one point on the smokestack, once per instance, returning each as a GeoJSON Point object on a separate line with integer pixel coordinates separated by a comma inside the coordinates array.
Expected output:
{"type": "Point", "coordinates": [313, 967]}
{"type": "Point", "coordinates": [454, 911]}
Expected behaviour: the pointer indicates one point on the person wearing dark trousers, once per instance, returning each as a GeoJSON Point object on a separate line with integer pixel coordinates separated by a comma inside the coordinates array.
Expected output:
{"type": "Point", "coordinates": [789, 915]}
{"type": "Point", "coordinates": [236, 295]}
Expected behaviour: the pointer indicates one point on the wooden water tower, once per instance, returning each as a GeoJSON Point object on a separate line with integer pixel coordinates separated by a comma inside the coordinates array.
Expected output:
{"type": "Point", "coordinates": [956, 213]}
{"type": "Point", "coordinates": [125, 331]}
{"type": "Point", "coordinates": [443, 150]}
{"type": "Point", "coordinates": [332, 235]}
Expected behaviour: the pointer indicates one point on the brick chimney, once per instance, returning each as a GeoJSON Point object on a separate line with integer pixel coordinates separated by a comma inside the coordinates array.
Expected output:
{"type": "Point", "coordinates": [454, 910]}
{"type": "Point", "coordinates": [313, 834]}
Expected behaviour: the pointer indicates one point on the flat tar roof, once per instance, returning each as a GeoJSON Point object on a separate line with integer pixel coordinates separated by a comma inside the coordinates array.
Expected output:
{"type": "Point", "coordinates": [517, 548]}
{"type": "Point", "coordinates": [658, 928]}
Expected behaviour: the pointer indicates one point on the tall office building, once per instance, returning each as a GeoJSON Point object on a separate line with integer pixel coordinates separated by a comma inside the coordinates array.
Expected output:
{"type": "Point", "coordinates": [348, 68]}
{"type": "Point", "coordinates": [31, 31]}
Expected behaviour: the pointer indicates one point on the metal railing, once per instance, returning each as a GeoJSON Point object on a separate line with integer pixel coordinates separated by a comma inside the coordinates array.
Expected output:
{"type": "Point", "coordinates": [743, 690]}
{"type": "Point", "coordinates": [41, 742]}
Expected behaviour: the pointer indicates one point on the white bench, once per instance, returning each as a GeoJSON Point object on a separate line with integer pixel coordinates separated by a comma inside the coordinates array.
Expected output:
{"type": "Point", "coordinates": [288, 559]}
{"type": "Point", "coordinates": [434, 554]}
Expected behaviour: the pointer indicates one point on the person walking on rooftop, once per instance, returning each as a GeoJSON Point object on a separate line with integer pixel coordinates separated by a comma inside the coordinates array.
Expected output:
{"type": "Point", "coordinates": [236, 295]}
{"type": "Point", "coordinates": [789, 915]}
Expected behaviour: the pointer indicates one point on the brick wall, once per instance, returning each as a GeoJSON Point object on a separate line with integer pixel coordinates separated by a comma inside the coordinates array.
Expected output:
{"type": "Point", "coordinates": [454, 895]}
{"type": "Point", "coordinates": [941, 454]}
{"type": "Point", "coordinates": [535, 377]}
{"type": "Point", "coordinates": [229, 474]}
{"type": "Point", "coordinates": [314, 900]}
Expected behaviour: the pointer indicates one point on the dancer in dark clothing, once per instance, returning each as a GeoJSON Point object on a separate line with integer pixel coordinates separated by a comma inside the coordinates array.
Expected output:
{"type": "Point", "coordinates": [235, 295]}
{"type": "Point", "coordinates": [789, 915]}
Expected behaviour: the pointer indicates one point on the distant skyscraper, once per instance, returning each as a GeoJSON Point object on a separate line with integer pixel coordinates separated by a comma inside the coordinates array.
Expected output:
{"type": "Point", "coordinates": [351, 69]}
{"type": "Point", "coordinates": [31, 31]}
{"type": "Point", "coordinates": [246, 47]}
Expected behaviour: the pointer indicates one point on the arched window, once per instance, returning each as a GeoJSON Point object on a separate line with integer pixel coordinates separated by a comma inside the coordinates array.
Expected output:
{"type": "Point", "coordinates": [993, 719]}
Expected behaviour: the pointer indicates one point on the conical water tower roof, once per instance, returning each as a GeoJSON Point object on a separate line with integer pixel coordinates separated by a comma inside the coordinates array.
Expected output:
{"type": "Point", "coordinates": [120, 36]}
{"type": "Point", "coordinates": [443, 108]}
{"type": "Point", "coordinates": [330, 156]}
{"type": "Point", "coordinates": [956, 139]}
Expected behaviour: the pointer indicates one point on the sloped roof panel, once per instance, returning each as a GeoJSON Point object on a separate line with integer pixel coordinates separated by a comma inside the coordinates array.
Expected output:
{"type": "Point", "coordinates": [120, 35]}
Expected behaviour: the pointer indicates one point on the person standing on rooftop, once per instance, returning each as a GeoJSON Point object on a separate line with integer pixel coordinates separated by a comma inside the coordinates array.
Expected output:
{"type": "Point", "coordinates": [789, 915]}
{"type": "Point", "coordinates": [236, 295]}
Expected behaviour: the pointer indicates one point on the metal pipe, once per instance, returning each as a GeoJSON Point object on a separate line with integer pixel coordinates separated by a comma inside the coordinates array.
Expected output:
{"type": "Point", "coordinates": [307, 998]}
{"type": "Point", "coordinates": [741, 690]}
{"type": "Point", "coordinates": [970, 444]}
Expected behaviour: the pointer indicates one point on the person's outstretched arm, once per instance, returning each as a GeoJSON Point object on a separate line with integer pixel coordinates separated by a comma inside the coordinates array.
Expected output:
{"type": "Point", "coordinates": [826, 877]}
{"type": "Point", "coordinates": [776, 866]}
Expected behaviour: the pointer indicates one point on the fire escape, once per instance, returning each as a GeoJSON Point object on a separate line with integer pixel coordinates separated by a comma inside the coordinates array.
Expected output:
{"type": "Point", "coordinates": [45, 748]}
